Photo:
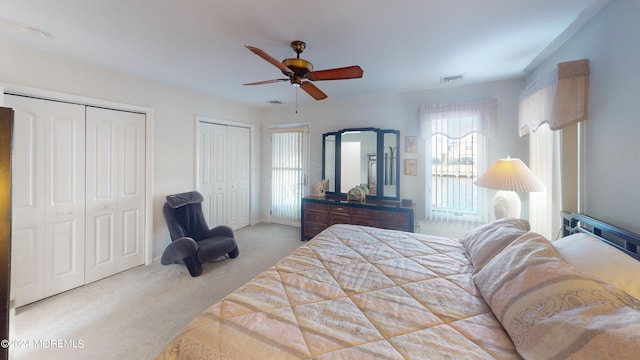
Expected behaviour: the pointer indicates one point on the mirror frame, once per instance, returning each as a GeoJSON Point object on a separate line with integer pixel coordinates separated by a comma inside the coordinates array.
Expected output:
{"type": "Point", "coordinates": [380, 158]}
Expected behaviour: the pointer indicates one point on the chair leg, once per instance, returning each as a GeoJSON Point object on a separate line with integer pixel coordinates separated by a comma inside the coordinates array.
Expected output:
{"type": "Point", "coordinates": [234, 253]}
{"type": "Point", "coordinates": [193, 265]}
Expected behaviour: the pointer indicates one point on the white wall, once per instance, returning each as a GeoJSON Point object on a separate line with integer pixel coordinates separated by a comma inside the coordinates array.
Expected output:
{"type": "Point", "coordinates": [611, 174]}
{"type": "Point", "coordinates": [175, 110]}
{"type": "Point", "coordinates": [401, 112]}
{"type": "Point", "coordinates": [173, 120]}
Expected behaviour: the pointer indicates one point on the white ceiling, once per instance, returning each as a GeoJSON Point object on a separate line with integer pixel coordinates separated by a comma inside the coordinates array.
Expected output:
{"type": "Point", "coordinates": [402, 45]}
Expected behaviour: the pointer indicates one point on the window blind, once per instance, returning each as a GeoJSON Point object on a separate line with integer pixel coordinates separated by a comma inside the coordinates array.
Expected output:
{"type": "Point", "coordinates": [287, 174]}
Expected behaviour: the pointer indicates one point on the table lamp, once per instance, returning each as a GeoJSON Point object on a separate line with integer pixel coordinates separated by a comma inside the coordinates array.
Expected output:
{"type": "Point", "coordinates": [508, 176]}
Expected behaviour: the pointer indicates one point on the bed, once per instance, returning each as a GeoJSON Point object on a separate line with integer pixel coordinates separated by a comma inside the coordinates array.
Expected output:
{"type": "Point", "coordinates": [501, 292]}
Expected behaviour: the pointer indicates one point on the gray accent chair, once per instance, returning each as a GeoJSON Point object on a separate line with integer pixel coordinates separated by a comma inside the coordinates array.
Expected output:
{"type": "Point", "coordinates": [192, 241]}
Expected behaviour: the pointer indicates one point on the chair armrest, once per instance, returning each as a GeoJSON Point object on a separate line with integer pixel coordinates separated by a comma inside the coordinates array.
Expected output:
{"type": "Point", "coordinates": [221, 230]}
{"type": "Point", "coordinates": [179, 249]}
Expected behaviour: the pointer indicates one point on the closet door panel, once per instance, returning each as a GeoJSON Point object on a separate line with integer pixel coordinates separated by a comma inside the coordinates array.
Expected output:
{"type": "Point", "coordinates": [115, 191]}
{"type": "Point", "coordinates": [48, 198]}
{"type": "Point", "coordinates": [27, 276]}
{"type": "Point", "coordinates": [27, 244]}
{"type": "Point", "coordinates": [64, 211]}
{"type": "Point", "coordinates": [219, 168]}
{"type": "Point", "coordinates": [238, 168]}
{"type": "Point", "coordinates": [103, 233]}
{"type": "Point", "coordinates": [28, 192]}
{"type": "Point", "coordinates": [101, 204]}
{"type": "Point", "coordinates": [63, 238]}
{"type": "Point", "coordinates": [212, 173]}
{"type": "Point", "coordinates": [66, 172]}
{"type": "Point", "coordinates": [132, 222]}
{"type": "Point", "coordinates": [205, 169]}
{"type": "Point", "coordinates": [100, 149]}
{"type": "Point", "coordinates": [132, 192]}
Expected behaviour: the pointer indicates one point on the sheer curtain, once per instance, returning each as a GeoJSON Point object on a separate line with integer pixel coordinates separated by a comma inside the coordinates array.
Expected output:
{"type": "Point", "coordinates": [544, 206]}
{"type": "Point", "coordinates": [455, 136]}
{"type": "Point", "coordinates": [557, 102]}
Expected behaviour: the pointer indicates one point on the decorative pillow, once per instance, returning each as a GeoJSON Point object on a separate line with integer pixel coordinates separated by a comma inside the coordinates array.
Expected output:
{"type": "Point", "coordinates": [601, 260]}
{"type": "Point", "coordinates": [484, 242]}
{"type": "Point", "coordinates": [551, 310]}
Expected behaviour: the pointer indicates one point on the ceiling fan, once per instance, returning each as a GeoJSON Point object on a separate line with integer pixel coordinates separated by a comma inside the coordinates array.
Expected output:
{"type": "Point", "coordinates": [300, 70]}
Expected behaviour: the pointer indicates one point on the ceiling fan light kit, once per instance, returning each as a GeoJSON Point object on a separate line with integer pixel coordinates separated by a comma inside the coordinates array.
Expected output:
{"type": "Point", "coordinates": [300, 71]}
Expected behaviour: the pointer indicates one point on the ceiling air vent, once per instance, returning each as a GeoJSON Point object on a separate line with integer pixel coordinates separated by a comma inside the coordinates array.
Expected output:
{"type": "Point", "coordinates": [448, 79]}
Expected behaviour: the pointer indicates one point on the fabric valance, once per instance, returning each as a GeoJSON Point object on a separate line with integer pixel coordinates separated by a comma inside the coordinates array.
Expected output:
{"type": "Point", "coordinates": [559, 100]}
{"type": "Point", "coordinates": [458, 120]}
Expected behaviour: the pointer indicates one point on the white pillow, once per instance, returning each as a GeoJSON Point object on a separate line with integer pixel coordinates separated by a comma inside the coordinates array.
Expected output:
{"type": "Point", "coordinates": [486, 241]}
{"type": "Point", "coordinates": [602, 261]}
{"type": "Point", "coordinates": [552, 310]}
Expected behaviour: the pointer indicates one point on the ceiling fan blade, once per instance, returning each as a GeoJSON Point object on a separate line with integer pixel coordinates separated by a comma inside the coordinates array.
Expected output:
{"type": "Point", "coordinates": [348, 72]}
{"type": "Point", "coordinates": [270, 59]}
{"type": "Point", "coordinates": [266, 82]}
{"type": "Point", "coordinates": [313, 91]}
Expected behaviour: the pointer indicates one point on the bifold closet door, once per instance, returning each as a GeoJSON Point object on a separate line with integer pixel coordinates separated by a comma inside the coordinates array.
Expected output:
{"type": "Point", "coordinates": [48, 198]}
{"type": "Point", "coordinates": [224, 174]}
{"type": "Point", "coordinates": [238, 170]}
{"type": "Point", "coordinates": [115, 196]}
{"type": "Point", "coordinates": [212, 172]}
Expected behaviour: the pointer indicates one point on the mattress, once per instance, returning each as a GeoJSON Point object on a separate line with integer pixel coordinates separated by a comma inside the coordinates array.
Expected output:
{"type": "Point", "coordinates": [353, 292]}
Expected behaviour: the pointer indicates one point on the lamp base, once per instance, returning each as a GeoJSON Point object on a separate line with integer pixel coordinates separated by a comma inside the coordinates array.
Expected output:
{"type": "Point", "coordinates": [507, 204]}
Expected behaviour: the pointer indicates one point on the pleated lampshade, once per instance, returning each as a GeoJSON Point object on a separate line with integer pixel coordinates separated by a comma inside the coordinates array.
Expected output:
{"type": "Point", "coordinates": [510, 175]}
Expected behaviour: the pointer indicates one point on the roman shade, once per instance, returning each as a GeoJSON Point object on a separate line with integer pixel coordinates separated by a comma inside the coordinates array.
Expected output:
{"type": "Point", "coordinates": [560, 99]}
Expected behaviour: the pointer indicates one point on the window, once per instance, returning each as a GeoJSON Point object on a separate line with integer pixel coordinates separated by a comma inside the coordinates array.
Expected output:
{"type": "Point", "coordinates": [455, 136]}
{"type": "Point", "coordinates": [288, 173]}
{"type": "Point", "coordinates": [454, 168]}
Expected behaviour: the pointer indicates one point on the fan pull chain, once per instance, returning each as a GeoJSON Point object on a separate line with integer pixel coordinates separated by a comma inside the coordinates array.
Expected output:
{"type": "Point", "coordinates": [296, 100]}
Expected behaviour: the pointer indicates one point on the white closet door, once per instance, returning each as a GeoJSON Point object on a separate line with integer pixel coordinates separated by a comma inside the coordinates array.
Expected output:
{"type": "Point", "coordinates": [205, 168]}
{"type": "Point", "coordinates": [238, 168]}
{"type": "Point", "coordinates": [212, 177]}
{"type": "Point", "coordinates": [224, 174]}
{"type": "Point", "coordinates": [48, 198]}
{"type": "Point", "coordinates": [115, 192]}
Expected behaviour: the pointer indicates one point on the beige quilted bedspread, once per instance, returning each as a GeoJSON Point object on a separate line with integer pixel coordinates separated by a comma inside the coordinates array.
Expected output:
{"type": "Point", "coordinates": [353, 293]}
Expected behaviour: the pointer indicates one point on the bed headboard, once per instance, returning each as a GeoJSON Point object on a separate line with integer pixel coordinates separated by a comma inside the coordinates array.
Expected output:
{"type": "Point", "coordinates": [624, 240]}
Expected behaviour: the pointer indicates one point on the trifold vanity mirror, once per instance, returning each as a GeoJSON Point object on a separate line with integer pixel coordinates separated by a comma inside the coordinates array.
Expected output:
{"type": "Point", "coordinates": [362, 156]}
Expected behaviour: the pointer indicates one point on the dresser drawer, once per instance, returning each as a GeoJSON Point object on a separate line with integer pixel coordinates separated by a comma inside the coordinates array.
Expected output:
{"type": "Point", "coordinates": [316, 206]}
{"type": "Point", "coordinates": [393, 220]}
{"type": "Point", "coordinates": [313, 229]}
{"type": "Point", "coordinates": [339, 219]}
{"type": "Point", "coordinates": [369, 213]}
{"type": "Point", "coordinates": [315, 216]}
{"type": "Point", "coordinates": [393, 216]}
{"type": "Point", "coordinates": [394, 226]}
{"type": "Point", "coordinates": [365, 221]}
{"type": "Point", "coordinates": [337, 209]}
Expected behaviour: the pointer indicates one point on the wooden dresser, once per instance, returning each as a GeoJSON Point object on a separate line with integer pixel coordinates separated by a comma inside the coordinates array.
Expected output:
{"type": "Point", "coordinates": [318, 213]}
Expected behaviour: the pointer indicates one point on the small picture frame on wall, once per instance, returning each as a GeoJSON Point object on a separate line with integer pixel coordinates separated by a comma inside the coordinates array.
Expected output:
{"type": "Point", "coordinates": [411, 144]}
{"type": "Point", "coordinates": [411, 167]}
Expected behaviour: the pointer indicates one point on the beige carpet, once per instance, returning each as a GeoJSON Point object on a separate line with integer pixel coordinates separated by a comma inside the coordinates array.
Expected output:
{"type": "Point", "coordinates": [134, 314]}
